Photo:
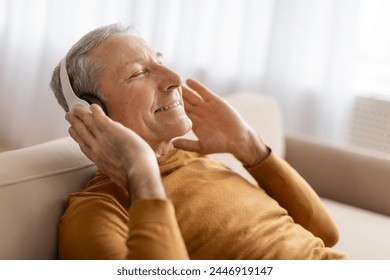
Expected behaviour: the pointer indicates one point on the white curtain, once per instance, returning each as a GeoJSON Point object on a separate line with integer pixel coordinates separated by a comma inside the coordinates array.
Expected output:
{"type": "Point", "coordinates": [309, 70]}
{"type": "Point", "coordinates": [298, 51]}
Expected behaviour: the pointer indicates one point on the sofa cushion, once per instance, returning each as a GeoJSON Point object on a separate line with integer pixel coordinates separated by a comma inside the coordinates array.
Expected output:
{"type": "Point", "coordinates": [34, 183]}
{"type": "Point", "coordinates": [363, 234]}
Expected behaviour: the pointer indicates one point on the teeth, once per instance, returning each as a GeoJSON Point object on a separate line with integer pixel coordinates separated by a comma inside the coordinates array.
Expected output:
{"type": "Point", "coordinates": [168, 107]}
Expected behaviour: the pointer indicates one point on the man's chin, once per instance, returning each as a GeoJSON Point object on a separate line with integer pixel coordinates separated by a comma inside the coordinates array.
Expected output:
{"type": "Point", "coordinates": [185, 129]}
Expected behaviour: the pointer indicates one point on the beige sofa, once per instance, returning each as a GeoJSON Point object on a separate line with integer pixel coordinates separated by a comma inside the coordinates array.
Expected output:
{"type": "Point", "coordinates": [355, 185]}
{"type": "Point", "coordinates": [35, 181]}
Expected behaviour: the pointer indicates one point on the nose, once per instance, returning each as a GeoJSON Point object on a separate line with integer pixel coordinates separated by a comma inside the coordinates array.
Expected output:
{"type": "Point", "coordinates": [170, 80]}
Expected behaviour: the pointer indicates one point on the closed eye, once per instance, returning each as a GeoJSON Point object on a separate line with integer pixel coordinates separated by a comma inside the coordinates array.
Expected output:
{"type": "Point", "coordinates": [138, 73]}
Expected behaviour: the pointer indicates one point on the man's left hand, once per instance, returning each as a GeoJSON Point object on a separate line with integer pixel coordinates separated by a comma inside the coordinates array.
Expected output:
{"type": "Point", "coordinates": [219, 128]}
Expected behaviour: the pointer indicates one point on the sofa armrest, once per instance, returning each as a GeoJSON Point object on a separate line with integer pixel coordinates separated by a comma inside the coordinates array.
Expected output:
{"type": "Point", "coordinates": [34, 184]}
{"type": "Point", "coordinates": [343, 174]}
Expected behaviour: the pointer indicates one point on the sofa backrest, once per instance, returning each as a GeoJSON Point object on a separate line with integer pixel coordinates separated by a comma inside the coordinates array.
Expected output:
{"type": "Point", "coordinates": [34, 183]}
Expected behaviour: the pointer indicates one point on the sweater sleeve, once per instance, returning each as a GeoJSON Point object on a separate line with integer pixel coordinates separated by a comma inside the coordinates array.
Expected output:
{"type": "Point", "coordinates": [154, 233]}
{"type": "Point", "coordinates": [294, 194]}
{"type": "Point", "coordinates": [95, 227]}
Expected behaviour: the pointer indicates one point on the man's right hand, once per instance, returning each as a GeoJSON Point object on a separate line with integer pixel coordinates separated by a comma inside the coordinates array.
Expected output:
{"type": "Point", "coordinates": [117, 151]}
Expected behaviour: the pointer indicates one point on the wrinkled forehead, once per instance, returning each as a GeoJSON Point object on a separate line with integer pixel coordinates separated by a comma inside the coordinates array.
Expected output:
{"type": "Point", "coordinates": [124, 48]}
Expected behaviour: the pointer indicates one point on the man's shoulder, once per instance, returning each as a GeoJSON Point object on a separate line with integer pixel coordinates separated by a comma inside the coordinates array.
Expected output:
{"type": "Point", "coordinates": [102, 189]}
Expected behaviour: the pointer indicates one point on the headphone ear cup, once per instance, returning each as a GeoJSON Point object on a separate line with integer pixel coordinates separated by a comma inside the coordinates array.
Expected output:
{"type": "Point", "coordinates": [93, 99]}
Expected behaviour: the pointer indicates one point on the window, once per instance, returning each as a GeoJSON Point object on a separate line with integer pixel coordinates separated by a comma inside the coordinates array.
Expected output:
{"type": "Point", "coordinates": [372, 64]}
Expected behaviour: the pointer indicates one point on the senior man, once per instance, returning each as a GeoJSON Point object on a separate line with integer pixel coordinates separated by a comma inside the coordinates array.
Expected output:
{"type": "Point", "coordinates": [159, 197]}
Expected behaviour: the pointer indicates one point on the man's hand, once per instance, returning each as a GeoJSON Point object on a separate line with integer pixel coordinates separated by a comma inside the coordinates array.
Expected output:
{"type": "Point", "coordinates": [117, 151]}
{"type": "Point", "coordinates": [219, 128]}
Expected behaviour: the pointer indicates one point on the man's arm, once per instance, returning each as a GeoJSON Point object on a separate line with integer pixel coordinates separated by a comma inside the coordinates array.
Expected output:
{"type": "Point", "coordinates": [294, 194]}
{"type": "Point", "coordinates": [220, 129]}
{"type": "Point", "coordinates": [95, 227]}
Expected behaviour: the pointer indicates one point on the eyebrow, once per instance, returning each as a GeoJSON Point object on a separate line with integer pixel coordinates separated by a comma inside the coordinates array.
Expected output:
{"type": "Point", "coordinates": [159, 56]}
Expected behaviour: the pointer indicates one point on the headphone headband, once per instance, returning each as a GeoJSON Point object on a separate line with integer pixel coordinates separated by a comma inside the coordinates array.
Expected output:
{"type": "Point", "coordinates": [71, 98]}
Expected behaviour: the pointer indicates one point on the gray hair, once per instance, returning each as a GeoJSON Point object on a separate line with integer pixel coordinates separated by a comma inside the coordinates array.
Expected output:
{"type": "Point", "coordinates": [83, 71]}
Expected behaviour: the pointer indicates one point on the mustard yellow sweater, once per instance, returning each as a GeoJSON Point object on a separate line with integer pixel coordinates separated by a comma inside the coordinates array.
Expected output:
{"type": "Point", "coordinates": [212, 213]}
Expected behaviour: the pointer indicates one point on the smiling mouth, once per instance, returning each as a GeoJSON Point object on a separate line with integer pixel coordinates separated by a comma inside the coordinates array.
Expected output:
{"type": "Point", "coordinates": [165, 108]}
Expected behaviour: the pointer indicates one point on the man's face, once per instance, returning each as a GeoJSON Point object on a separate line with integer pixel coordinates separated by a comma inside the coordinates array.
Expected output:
{"type": "Point", "coordinates": [142, 93]}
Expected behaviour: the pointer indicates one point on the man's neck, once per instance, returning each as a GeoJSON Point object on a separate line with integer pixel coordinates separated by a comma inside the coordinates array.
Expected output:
{"type": "Point", "coordinates": [162, 148]}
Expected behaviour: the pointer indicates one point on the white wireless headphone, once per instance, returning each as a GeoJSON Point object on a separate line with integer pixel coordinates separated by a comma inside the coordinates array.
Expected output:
{"type": "Point", "coordinates": [71, 98]}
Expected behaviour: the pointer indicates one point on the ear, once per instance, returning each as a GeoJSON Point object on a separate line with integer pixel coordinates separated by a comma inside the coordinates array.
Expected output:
{"type": "Point", "coordinates": [93, 99]}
